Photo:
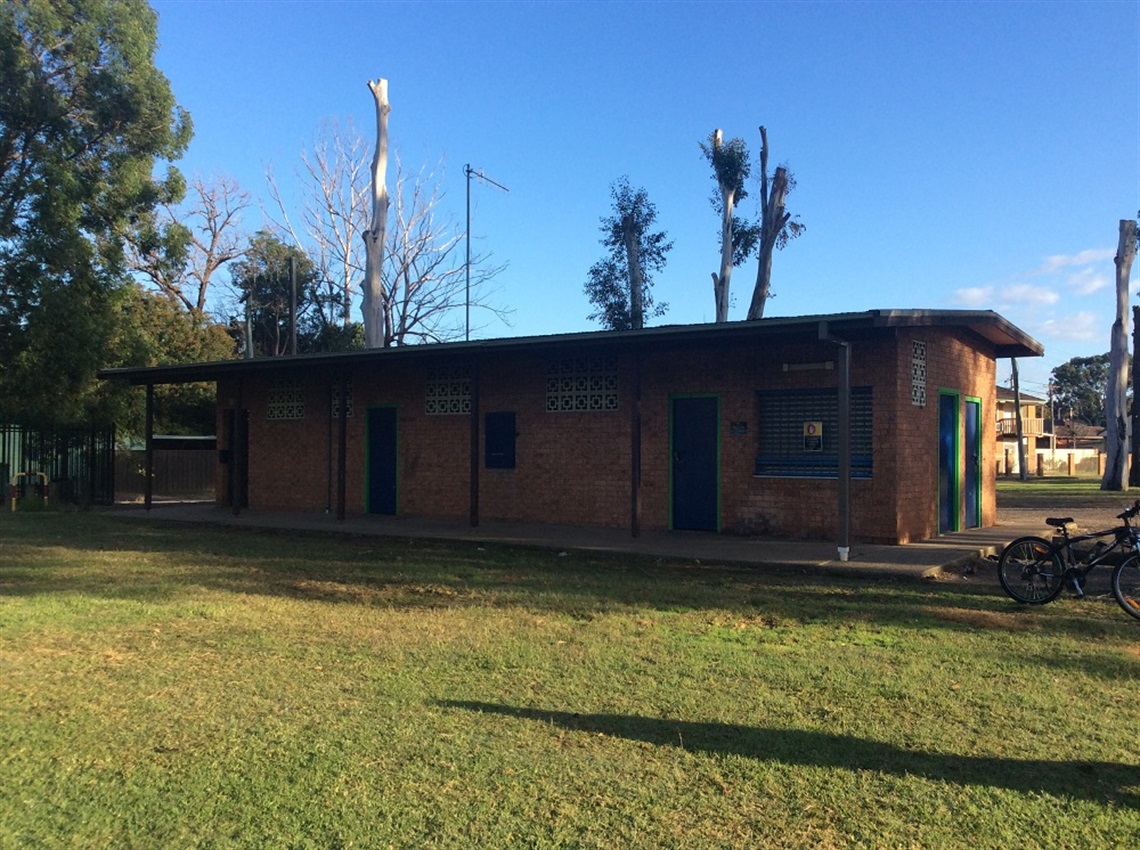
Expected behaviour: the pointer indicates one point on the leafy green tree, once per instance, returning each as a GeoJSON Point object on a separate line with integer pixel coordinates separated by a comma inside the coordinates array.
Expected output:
{"type": "Point", "coordinates": [620, 284]}
{"type": "Point", "coordinates": [263, 281]}
{"type": "Point", "coordinates": [156, 330]}
{"type": "Point", "coordinates": [1079, 389]}
{"type": "Point", "coordinates": [84, 118]}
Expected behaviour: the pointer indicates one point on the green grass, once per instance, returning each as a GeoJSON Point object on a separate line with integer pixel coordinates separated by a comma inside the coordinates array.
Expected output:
{"type": "Point", "coordinates": [1059, 491]}
{"type": "Point", "coordinates": [167, 686]}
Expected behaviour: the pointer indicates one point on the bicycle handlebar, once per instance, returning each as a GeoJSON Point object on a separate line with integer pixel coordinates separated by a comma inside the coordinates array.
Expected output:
{"type": "Point", "coordinates": [1131, 512]}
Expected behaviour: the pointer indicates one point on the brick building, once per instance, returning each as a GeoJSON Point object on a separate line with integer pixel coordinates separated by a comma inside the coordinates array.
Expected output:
{"type": "Point", "coordinates": [743, 428]}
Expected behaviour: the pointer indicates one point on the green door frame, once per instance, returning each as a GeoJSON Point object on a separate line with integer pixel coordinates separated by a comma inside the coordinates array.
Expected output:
{"type": "Point", "coordinates": [976, 474]}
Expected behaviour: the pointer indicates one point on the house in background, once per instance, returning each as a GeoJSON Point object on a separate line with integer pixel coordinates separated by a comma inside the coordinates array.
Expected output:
{"type": "Point", "coordinates": [1051, 447]}
{"type": "Point", "coordinates": [858, 426]}
{"type": "Point", "coordinates": [1035, 430]}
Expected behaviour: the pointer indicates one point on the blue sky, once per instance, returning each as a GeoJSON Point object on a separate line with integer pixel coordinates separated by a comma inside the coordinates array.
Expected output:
{"type": "Point", "coordinates": [948, 155]}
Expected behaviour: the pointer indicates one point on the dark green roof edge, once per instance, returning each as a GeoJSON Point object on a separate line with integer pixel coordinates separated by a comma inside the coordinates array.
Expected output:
{"type": "Point", "coordinates": [1006, 339]}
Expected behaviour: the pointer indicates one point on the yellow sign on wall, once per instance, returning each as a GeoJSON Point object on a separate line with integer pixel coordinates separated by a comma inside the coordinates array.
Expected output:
{"type": "Point", "coordinates": [813, 436]}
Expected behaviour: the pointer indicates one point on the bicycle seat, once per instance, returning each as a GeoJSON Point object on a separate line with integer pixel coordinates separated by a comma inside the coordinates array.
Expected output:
{"type": "Point", "coordinates": [1058, 522]}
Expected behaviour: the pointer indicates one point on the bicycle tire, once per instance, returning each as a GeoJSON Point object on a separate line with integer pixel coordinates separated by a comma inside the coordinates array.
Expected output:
{"type": "Point", "coordinates": [1030, 570]}
{"type": "Point", "coordinates": [1126, 585]}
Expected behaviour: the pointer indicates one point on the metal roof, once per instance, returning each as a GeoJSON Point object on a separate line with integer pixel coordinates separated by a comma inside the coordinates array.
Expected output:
{"type": "Point", "coordinates": [1006, 340]}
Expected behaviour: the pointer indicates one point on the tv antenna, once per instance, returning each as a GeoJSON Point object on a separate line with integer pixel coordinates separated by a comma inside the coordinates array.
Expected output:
{"type": "Point", "coordinates": [472, 172]}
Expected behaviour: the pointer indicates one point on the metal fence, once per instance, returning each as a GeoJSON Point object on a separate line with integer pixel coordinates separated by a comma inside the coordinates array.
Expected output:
{"type": "Point", "coordinates": [77, 462]}
{"type": "Point", "coordinates": [182, 474]}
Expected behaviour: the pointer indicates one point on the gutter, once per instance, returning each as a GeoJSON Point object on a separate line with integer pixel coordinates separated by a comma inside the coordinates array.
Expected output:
{"type": "Point", "coordinates": [844, 471]}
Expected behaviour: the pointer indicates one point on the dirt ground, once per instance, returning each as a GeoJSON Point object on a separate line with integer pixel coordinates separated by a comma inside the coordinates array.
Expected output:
{"type": "Point", "coordinates": [1090, 512]}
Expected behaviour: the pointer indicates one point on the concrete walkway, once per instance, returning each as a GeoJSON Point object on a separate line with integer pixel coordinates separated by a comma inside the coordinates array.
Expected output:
{"type": "Point", "coordinates": [927, 559]}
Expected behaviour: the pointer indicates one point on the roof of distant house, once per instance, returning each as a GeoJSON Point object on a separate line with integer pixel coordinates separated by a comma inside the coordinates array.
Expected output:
{"type": "Point", "coordinates": [1006, 394]}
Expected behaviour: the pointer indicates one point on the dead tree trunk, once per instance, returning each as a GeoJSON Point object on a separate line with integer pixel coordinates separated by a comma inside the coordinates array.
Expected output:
{"type": "Point", "coordinates": [728, 201]}
{"type": "Point", "coordinates": [1116, 399]}
{"type": "Point", "coordinates": [375, 305]}
{"type": "Point", "coordinates": [773, 218]}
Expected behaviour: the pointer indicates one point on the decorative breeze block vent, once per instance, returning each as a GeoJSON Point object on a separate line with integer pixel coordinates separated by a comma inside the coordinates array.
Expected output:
{"type": "Point", "coordinates": [448, 391]}
{"type": "Point", "coordinates": [582, 385]}
{"type": "Point", "coordinates": [285, 401]}
{"type": "Point", "coordinates": [918, 374]}
{"type": "Point", "coordinates": [348, 409]}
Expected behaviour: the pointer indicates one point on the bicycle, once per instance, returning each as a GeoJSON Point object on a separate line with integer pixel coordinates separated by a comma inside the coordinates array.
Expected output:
{"type": "Point", "coordinates": [1033, 570]}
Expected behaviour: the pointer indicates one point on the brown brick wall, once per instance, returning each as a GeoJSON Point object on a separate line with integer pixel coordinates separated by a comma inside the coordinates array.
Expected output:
{"type": "Point", "coordinates": [574, 468]}
{"type": "Point", "coordinates": [954, 366]}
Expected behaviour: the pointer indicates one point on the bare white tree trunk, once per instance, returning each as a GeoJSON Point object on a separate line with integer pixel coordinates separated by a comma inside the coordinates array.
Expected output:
{"type": "Point", "coordinates": [375, 320]}
{"type": "Point", "coordinates": [772, 221]}
{"type": "Point", "coordinates": [1116, 403]}
{"type": "Point", "coordinates": [721, 281]}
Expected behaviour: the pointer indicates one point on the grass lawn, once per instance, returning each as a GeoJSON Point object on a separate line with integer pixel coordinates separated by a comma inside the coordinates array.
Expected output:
{"type": "Point", "coordinates": [166, 686]}
{"type": "Point", "coordinates": [1058, 491]}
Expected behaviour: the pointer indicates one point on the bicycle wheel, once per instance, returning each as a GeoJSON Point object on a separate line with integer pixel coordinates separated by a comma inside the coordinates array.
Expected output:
{"type": "Point", "coordinates": [1126, 585]}
{"type": "Point", "coordinates": [1030, 570]}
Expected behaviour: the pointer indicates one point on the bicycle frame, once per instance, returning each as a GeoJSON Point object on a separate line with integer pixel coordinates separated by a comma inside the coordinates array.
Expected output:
{"type": "Point", "coordinates": [1034, 570]}
{"type": "Point", "coordinates": [1125, 536]}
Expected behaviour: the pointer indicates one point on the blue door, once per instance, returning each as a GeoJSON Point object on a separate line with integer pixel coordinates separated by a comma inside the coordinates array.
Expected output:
{"type": "Point", "coordinates": [382, 457]}
{"type": "Point", "coordinates": [948, 470]}
{"type": "Point", "coordinates": [973, 483]}
{"type": "Point", "coordinates": [695, 473]}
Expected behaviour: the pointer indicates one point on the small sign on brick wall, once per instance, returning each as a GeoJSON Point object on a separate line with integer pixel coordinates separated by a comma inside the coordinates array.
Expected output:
{"type": "Point", "coordinates": [813, 436]}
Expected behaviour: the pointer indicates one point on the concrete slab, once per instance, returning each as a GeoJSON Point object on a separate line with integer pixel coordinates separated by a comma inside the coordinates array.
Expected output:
{"type": "Point", "coordinates": [924, 560]}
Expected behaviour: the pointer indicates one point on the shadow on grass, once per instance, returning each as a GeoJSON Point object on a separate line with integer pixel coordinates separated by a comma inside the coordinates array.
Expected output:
{"type": "Point", "coordinates": [1099, 782]}
{"type": "Point", "coordinates": [161, 562]}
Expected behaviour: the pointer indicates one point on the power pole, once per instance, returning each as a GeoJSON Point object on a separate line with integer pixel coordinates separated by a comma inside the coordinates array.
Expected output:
{"type": "Point", "coordinates": [292, 305]}
{"type": "Point", "coordinates": [1017, 419]}
{"type": "Point", "coordinates": [1052, 430]}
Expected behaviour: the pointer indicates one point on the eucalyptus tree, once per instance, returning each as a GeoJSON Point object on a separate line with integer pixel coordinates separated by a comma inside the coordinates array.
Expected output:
{"type": "Point", "coordinates": [777, 225]}
{"type": "Point", "coordinates": [1080, 386]}
{"type": "Point", "coordinates": [731, 166]}
{"type": "Point", "coordinates": [739, 235]}
{"type": "Point", "coordinates": [263, 282]}
{"type": "Point", "coordinates": [85, 117]}
{"type": "Point", "coordinates": [620, 285]}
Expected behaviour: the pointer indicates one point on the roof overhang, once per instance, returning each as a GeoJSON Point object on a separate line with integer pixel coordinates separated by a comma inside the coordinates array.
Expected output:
{"type": "Point", "coordinates": [1001, 337]}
